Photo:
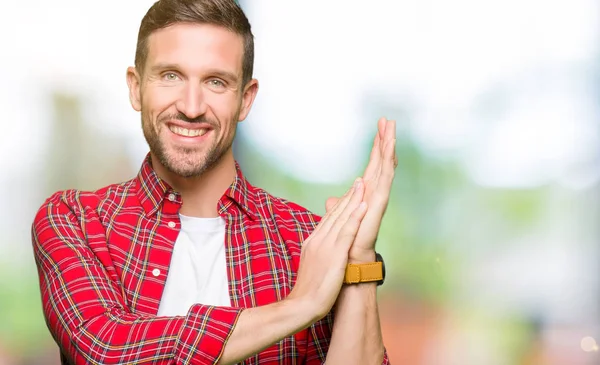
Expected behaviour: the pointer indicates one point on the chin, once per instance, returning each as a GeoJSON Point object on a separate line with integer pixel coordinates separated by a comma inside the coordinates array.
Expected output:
{"type": "Point", "coordinates": [186, 171]}
{"type": "Point", "coordinates": [188, 168]}
{"type": "Point", "coordinates": [183, 163]}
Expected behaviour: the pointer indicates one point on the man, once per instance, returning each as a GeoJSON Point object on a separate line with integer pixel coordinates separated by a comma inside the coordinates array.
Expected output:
{"type": "Point", "coordinates": [190, 264]}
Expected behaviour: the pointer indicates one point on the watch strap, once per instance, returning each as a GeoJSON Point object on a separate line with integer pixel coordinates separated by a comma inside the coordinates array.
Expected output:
{"type": "Point", "coordinates": [364, 273]}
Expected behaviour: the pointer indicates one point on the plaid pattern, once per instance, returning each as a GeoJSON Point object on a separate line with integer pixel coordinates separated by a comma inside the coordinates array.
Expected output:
{"type": "Point", "coordinates": [103, 259]}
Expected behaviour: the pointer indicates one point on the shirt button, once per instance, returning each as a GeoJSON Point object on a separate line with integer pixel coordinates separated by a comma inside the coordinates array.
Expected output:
{"type": "Point", "coordinates": [171, 224]}
{"type": "Point", "coordinates": [172, 197]}
{"type": "Point", "coordinates": [156, 272]}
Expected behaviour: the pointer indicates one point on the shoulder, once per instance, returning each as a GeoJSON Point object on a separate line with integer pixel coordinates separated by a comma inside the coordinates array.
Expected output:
{"type": "Point", "coordinates": [75, 203]}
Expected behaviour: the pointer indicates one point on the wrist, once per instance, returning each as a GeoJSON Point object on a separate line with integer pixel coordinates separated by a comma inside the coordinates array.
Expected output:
{"type": "Point", "coordinates": [303, 309]}
{"type": "Point", "coordinates": [361, 256]}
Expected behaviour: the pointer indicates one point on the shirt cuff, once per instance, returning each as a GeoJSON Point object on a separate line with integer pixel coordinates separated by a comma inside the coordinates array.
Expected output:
{"type": "Point", "coordinates": [204, 334]}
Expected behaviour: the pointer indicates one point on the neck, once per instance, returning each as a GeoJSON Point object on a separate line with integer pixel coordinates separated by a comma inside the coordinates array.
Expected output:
{"type": "Point", "coordinates": [201, 194]}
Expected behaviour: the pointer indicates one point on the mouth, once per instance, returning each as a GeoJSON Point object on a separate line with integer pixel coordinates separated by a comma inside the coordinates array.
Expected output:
{"type": "Point", "coordinates": [186, 132]}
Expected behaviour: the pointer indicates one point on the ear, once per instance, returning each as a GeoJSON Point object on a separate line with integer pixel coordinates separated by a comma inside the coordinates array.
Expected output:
{"type": "Point", "coordinates": [248, 96]}
{"type": "Point", "coordinates": [134, 82]}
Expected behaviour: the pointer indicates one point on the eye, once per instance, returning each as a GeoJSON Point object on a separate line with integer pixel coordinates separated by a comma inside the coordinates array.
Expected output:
{"type": "Point", "coordinates": [216, 83]}
{"type": "Point", "coordinates": [170, 76]}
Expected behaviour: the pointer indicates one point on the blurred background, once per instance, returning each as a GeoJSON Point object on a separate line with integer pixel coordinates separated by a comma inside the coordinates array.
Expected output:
{"type": "Point", "coordinates": [491, 237]}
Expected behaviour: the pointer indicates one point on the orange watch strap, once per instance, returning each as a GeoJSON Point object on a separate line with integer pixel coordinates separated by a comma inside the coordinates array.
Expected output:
{"type": "Point", "coordinates": [363, 273]}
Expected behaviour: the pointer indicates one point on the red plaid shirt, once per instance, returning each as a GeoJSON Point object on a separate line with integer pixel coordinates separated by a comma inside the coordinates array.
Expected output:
{"type": "Point", "coordinates": [103, 259]}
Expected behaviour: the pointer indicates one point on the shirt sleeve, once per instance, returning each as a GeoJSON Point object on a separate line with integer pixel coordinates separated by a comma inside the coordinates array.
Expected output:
{"type": "Point", "coordinates": [319, 335]}
{"type": "Point", "coordinates": [87, 315]}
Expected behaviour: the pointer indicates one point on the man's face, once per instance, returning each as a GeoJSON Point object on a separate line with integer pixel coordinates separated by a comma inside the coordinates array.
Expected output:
{"type": "Point", "coordinates": [191, 96]}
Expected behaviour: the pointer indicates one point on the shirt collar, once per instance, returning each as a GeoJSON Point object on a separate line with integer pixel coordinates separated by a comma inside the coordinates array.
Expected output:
{"type": "Point", "coordinates": [152, 191]}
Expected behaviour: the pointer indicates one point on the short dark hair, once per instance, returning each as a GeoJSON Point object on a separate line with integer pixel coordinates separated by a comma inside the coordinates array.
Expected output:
{"type": "Point", "coordinates": [224, 13]}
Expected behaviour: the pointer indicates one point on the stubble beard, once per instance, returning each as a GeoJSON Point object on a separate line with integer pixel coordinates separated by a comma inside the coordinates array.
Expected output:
{"type": "Point", "coordinates": [183, 161]}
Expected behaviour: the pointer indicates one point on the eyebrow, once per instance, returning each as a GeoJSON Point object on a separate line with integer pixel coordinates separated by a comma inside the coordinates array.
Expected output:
{"type": "Point", "coordinates": [230, 76]}
{"type": "Point", "coordinates": [224, 74]}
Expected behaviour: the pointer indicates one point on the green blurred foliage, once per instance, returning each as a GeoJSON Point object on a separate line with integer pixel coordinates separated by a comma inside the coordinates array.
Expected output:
{"type": "Point", "coordinates": [23, 327]}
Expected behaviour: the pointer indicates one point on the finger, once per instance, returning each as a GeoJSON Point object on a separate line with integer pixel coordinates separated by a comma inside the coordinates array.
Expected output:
{"type": "Point", "coordinates": [389, 155]}
{"type": "Point", "coordinates": [390, 134]}
{"type": "Point", "coordinates": [347, 234]}
{"type": "Point", "coordinates": [330, 217]}
{"type": "Point", "coordinates": [380, 198]}
{"type": "Point", "coordinates": [390, 130]}
{"type": "Point", "coordinates": [353, 203]}
{"type": "Point", "coordinates": [329, 211]}
{"type": "Point", "coordinates": [389, 164]}
{"type": "Point", "coordinates": [375, 157]}
{"type": "Point", "coordinates": [330, 203]}
{"type": "Point", "coordinates": [381, 126]}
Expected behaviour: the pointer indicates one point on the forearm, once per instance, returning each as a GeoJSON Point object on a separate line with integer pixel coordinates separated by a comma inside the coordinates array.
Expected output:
{"type": "Point", "coordinates": [356, 335]}
{"type": "Point", "coordinates": [203, 336]}
{"type": "Point", "coordinates": [120, 337]}
{"type": "Point", "coordinates": [260, 327]}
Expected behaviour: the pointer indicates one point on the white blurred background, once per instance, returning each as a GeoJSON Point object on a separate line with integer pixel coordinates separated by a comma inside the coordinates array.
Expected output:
{"type": "Point", "coordinates": [491, 240]}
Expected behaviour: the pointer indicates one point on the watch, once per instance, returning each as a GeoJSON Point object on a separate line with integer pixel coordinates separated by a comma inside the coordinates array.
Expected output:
{"type": "Point", "coordinates": [366, 273]}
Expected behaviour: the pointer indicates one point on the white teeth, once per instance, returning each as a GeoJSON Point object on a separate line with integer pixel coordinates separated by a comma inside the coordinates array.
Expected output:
{"type": "Point", "coordinates": [187, 132]}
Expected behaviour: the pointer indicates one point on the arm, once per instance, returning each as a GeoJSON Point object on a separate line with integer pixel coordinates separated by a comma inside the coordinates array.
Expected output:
{"type": "Point", "coordinates": [356, 335]}
{"type": "Point", "coordinates": [361, 331]}
{"type": "Point", "coordinates": [320, 274]}
{"type": "Point", "coordinates": [89, 319]}
{"type": "Point", "coordinates": [87, 314]}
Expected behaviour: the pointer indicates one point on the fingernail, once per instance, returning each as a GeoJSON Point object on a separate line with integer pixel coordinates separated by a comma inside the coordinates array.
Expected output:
{"type": "Point", "coordinates": [357, 182]}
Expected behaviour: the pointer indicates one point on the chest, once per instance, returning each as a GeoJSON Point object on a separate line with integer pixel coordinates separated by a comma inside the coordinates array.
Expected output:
{"type": "Point", "coordinates": [261, 258]}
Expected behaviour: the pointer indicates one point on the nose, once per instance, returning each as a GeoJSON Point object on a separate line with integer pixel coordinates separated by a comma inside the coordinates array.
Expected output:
{"type": "Point", "coordinates": [192, 102]}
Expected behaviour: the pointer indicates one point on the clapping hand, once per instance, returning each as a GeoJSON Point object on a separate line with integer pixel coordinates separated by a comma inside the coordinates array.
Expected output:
{"type": "Point", "coordinates": [378, 178]}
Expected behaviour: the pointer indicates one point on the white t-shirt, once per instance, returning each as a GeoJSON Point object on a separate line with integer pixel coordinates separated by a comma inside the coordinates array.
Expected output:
{"type": "Point", "coordinates": [198, 272]}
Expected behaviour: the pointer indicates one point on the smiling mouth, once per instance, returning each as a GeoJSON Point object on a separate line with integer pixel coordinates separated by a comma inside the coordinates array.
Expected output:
{"type": "Point", "coordinates": [187, 132]}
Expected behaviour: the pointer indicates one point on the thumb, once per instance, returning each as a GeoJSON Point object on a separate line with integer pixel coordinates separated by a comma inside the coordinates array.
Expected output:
{"type": "Point", "coordinates": [330, 203]}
